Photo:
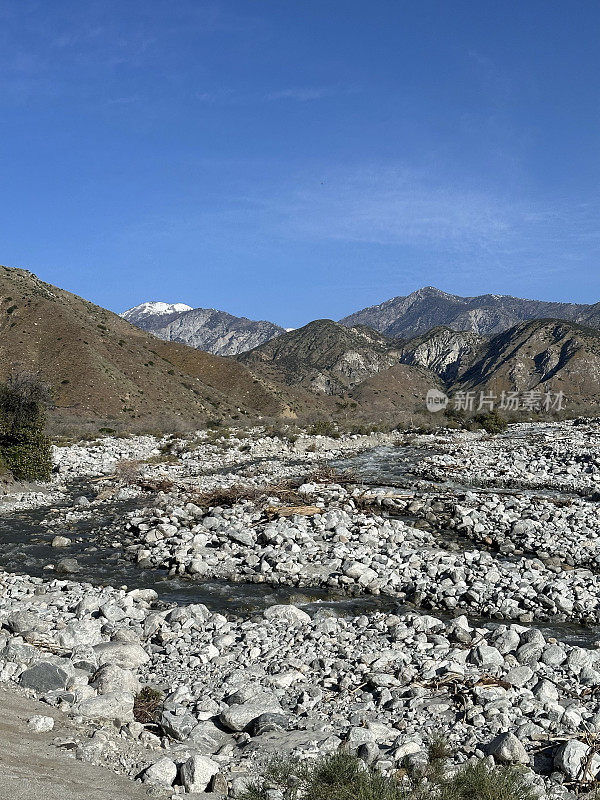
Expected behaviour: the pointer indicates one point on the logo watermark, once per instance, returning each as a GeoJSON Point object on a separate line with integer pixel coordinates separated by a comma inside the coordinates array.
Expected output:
{"type": "Point", "coordinates": [436, 400]}
{"type": "Point", "coordinates": [531, 400]}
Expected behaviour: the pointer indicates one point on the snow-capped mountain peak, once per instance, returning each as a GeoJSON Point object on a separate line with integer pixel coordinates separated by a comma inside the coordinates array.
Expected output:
{"type": "Point", "coordinates": [154, 308]}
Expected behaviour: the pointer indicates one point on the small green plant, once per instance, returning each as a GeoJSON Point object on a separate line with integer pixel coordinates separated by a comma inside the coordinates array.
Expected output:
{"type": "Point", "coordinates": [324, 427]}
{"type": "Point", "coordinates": [477, 781]}
{"type": "Point", "coordinates": [438, 749]}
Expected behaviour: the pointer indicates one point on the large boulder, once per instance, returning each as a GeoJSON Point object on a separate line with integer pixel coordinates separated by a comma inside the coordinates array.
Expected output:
{"type": "Point", "coordinates": [44, 677]}
{"type": "Point", "coordinates": [507, 749]}
{"type": "Point", "coordinates": [177, 725]}
{"type": "Point", "coordinates": [162, 773]}
{"type": "Point", "coordinates": [197, 772]}
{"type": "Point", "coordinates": [288, 613]}
{"type": "Point", "coordinates": [239, 715]}
{"type": "Point", "coordinates": [113, 679]}
{"type": "Point", "coordinates": [115, 705]}
{"type": "Point", "coordinates": [127, 655]}
{"type": "Point", "coordinates": [572, 759]}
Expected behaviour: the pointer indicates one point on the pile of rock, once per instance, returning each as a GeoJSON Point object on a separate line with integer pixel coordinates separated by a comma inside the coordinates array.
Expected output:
{"type": "Point", "coordinates": [237, 691]}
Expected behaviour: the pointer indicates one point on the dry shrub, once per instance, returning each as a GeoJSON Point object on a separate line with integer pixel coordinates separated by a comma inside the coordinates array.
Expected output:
{"type": "Point", "coordinates": [226, 496]}
{"type": "Point", "coordinates": [147, 705]}
{"type": "Point", "coordinates": [160, 483]}
{"type": "Point", "coordinates": [128, 471]}
{"type": "Point", "coordinates": [331, 475]}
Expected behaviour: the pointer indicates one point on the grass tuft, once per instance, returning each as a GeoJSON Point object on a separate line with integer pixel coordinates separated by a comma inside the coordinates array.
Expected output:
{"type": "Point", "coordinates": [342, 776]}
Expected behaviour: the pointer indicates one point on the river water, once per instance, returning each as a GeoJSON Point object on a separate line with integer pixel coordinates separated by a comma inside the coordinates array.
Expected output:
{"type": "Point", "coordinates": [25, 548]}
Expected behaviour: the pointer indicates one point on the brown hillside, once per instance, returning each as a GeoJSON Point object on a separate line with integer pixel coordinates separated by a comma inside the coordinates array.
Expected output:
{"type": "Point", "coordinates": [101, 367]}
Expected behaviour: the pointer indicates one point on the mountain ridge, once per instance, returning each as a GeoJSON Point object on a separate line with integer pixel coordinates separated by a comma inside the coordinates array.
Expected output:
{"type": "Point", "coordinates": [208, 329]}
{"type": "Point", "coordinates": [488, 314]}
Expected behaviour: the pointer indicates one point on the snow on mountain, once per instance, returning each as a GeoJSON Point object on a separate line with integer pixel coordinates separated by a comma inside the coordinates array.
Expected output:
{"type": "Point", "coordinates": [206, 329]}
{"type": "Point", "coordinates": [154, 308]}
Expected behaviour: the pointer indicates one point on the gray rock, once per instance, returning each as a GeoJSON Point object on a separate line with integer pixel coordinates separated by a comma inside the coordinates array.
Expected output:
{"type": "Point", "coordinates": [266, 723]}
{"type": "Point", "coordinates": [67, 566]}
{"type": "Point", "coordinates": [162, 773]}
{"type": "Point", "coordinates": [113, 679]}
{"type": "Point", "coordinates": [239, 715]}
{"type": "Point", "coordinates": [128, 655]}
{"type": "Point", "coordinates": [44, 677]}
{"type": "Point", "coordinates": [116, 705]}
{"type": "Point", "coordinates": [486, 655]}
{"type": "Point", "coordinates": [61, 541]}
{"type": "Point", "coordinates": [40, 724]}
{"type": "Point", "coordinates": [289, 613]}
{"type": "Point", "coordinates": [519, 676]}
{"type": "Point", "coordinates": [572, 757]}
{"type": "Point", "coordinates": [507, 749]}
{"type": "Point", "coordinates": [197, 771]}
{"type": "Point", "coordinates": [177, 725]}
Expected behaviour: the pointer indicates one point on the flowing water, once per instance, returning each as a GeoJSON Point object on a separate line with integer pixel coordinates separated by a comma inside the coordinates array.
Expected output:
{"type": "Point", "coordinates": [25, 548]}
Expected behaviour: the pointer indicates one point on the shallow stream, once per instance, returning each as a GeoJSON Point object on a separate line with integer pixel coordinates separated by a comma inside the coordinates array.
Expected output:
{"type": "Point", "coordinates": [25, 548]}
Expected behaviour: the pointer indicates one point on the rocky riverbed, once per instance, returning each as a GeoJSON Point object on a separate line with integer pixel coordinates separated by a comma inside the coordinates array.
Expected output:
{"type": "Point", "coordinates": [460, 596]}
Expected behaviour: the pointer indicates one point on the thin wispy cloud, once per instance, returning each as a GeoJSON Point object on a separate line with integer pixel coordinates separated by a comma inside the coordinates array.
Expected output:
{"type": "Point", "coordinates": [303, 94]}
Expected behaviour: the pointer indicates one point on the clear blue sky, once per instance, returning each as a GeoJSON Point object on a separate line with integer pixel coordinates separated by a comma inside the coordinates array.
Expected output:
{"type": "Point", "coordinates": [291, 160]}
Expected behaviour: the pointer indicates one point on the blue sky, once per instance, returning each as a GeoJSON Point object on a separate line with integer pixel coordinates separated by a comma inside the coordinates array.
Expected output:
{"type": "Point", "coordinates": [296, 160]}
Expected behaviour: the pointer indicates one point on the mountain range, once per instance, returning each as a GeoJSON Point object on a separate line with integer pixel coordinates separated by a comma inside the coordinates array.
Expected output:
{"type": "Point", "coordinates": [207, 329]}
{"type": "Point", "coordinates": [325, 357]}
{"type": "Point", "coordinates": [485, 314]}
{"type": "Point", "coordinates": [399, 318]}
{"type": "Point", "coordinates": [103, 370]}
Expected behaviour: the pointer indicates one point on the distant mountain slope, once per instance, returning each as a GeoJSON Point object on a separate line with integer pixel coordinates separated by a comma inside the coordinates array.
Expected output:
{"type": "Point", "coordinates": [323, 356]}
{"type": "Point", "coordinates": [443, 351]}
{"type": "Point", "coordinates": [206, 329]}
{"type": "Point", "coordinates": [100, 366]}
{"type": "Point", "coordinates": [488, 314]}
{"type": "Point", "coordinates": [402, 387]}
{"type": "Point", "coordinates": [544, 355]}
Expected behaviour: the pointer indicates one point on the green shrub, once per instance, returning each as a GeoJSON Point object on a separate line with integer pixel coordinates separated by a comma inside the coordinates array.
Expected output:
{"type": "Point", "coordinates": [342, 776]}
{"type": "Point", "coordinates": [476, 781]}
{"type": "Point", "coordinates": [24, 446]}
{"type": "Point", "coordinates": [324, 427]}
{"type": "Point", "coordinates": [491, 421]}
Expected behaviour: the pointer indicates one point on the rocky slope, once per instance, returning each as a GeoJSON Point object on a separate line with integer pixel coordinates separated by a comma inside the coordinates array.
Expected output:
{"type": "Point", "coordinates": [323, 356]}
{"type": "Point", "coordinates": [377, 375]}
{"type": "Point", "coordinates": [544, 355]}
{"type": "Point", "coordinates": [427, 308]}
{"type": "Point", "coordinates": [443, 351]}
{"type": "Point", "coordinates": [100, 367]}
{"type": "Point", "coordinates": [207, 329]}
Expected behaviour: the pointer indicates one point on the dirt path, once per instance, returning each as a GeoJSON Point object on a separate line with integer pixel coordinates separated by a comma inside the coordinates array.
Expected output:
{"type": "Point", "coordinates": [31, 768]}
